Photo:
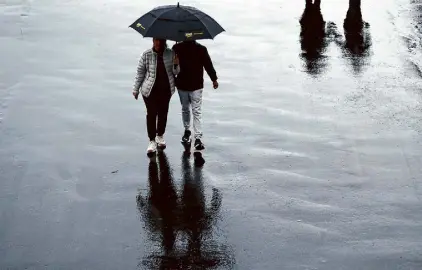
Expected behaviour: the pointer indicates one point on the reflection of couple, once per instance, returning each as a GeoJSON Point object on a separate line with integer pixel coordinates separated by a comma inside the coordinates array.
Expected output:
{"type": "Point", "coordinates": [168, 215]}
{"type": "Point", "coordinates": [314, 34]}
{"type": "Point", "coordinates": [160, 71]}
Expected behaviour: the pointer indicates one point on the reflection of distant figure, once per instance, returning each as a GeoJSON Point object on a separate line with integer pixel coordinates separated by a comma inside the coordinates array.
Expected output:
{"type": "Point", "coordinates": [312, 37]}
{"type": "Point", "coordinates": [355, 29]}
{"type": "Point", "coordinates": [358, 38]}
{"type": "Point", "coordinates": [168, 215]}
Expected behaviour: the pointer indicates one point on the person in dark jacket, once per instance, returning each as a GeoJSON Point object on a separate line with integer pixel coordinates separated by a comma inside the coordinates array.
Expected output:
{"type": "Point", "coordinates": [155, 78]}
{"type": "Point", "coordinates": [193, 58]}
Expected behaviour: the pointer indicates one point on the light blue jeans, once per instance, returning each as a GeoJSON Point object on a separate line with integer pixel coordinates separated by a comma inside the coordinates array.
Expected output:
{"type": "Point", "coordinates": [192, 99]}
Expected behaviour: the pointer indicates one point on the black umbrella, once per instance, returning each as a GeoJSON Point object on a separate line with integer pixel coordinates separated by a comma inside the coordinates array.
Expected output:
{"type": "Point", "coordinates": [177, 23]}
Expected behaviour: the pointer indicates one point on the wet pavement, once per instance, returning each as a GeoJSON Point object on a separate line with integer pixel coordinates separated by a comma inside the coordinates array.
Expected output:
{"type": "Point", "coordinates": [313, 158]}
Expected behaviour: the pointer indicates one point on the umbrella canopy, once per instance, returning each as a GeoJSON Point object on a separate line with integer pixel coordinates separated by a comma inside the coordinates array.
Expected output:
{"type": "Point", "coordinates": [177, 23]}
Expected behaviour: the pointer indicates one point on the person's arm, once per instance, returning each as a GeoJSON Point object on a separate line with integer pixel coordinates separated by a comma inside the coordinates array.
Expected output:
{"type": "Point", "coordinates": [140, 75]}
{"type": "Point", "coordinates": [209, 67]}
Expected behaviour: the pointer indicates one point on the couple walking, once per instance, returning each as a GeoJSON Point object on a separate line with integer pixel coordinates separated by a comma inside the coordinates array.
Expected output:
{"type": "Point", "coordinates": [160, 71]}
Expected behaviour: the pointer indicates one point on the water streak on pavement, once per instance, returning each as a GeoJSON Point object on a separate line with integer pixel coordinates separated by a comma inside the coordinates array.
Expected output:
{"type": "Point", "coordinates": [312, 156]}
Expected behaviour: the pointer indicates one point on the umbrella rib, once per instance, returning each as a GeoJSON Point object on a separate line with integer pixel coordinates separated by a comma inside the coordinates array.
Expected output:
{"type": "Point", "coordinates": [156, 18]}
{"type": "Point", "coordinates": [149, 28]}
{"type": "Point", "coordinates": [206, 27]}
{"type": "Point", "coordinates": [171, 20]}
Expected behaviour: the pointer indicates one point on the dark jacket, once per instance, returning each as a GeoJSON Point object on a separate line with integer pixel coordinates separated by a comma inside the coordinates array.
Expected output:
{"type": "Point", "coordinates": [193, 58]}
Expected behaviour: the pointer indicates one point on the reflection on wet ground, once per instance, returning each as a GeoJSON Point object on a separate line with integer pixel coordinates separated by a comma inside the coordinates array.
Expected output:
{"type": "Point", "coordinates": [319, 169]}
{"type": "Point", "coordinates": [316, 34]}
{"type": "Point", "coordinates": [313, 38]}
{"type": "Point", "coordinates": [358, 37]}
{"type": "Point", "coordinates": [181, 222]}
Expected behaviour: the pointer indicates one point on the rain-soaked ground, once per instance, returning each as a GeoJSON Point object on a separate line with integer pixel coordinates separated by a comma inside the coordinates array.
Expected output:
{"type": "Point", "coordinates": [313, 160]}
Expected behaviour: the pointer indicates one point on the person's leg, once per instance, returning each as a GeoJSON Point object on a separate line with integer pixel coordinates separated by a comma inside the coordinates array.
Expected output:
{"type": "Point", "coordinates": [151, 117]}
{"type": "Point", "coordinates": [185, 102]}
{"type": "Point", "coordinates": [196, 100]}
{"type": "Point", "coordinates": [163, 108]}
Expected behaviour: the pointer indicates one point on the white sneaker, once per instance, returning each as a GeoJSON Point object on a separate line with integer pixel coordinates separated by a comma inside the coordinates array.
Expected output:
{"type": "Point", "coordinates": [152, 148]}
{"type": "Point", "coordinates": [160, 142]}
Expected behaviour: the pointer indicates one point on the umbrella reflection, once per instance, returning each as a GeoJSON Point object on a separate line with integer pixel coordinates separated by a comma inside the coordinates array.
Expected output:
{"type": "Point", "coordinates": [313, 38]}
{"type": "Point", "coordinates": [182, 225]}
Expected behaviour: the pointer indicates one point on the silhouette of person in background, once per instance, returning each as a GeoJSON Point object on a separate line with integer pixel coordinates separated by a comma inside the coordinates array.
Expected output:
{"type": "Point", "coordinates": [168, 215]}
{"type": "Point", "coordinates": [313, 38]}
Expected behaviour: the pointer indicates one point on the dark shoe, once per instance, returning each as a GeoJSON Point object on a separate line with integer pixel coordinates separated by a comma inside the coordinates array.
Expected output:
{"type": "Point", "coordinates": [186, 137]}
{"type": "Point", "coordinates": [199, 145]}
